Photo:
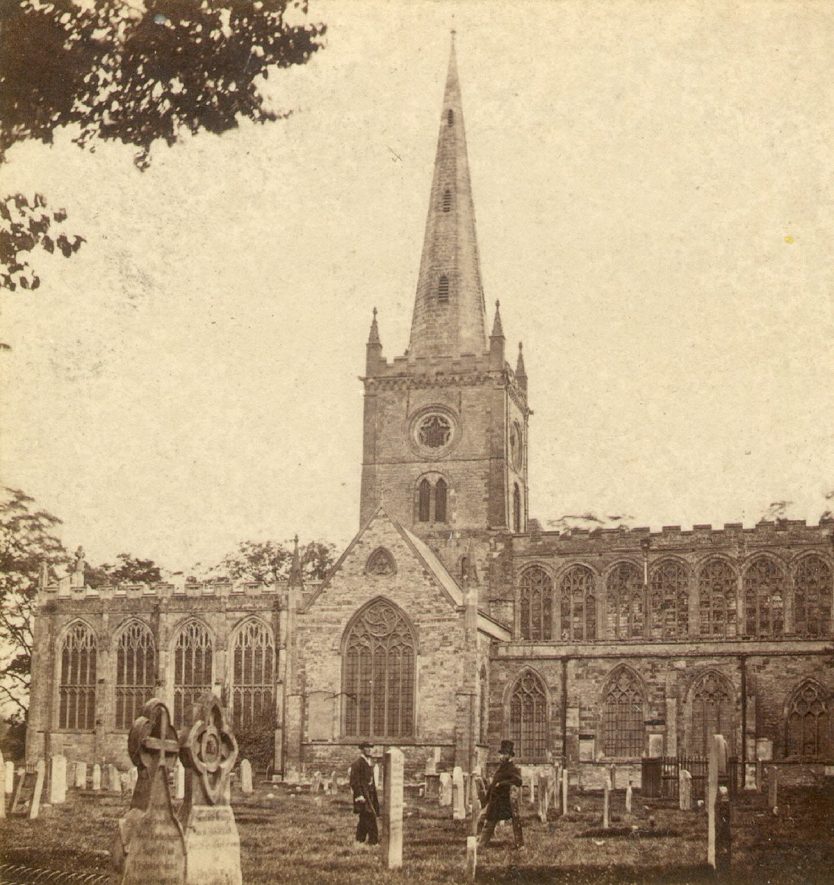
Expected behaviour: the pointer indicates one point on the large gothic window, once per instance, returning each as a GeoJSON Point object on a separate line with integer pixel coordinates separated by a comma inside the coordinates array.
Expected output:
{"type": "Point", "coordinates": [424, 501]}
{"type": "Point", "coordinates": [623, 729]}
{"type": "Point", "coordinates": [440, 490]}
{"type": "Point", "coordinates": [77, 691]}
{"type": "Point", "coordinates": [764, 595]}
{"type": "Point", "coordinates": [809, 723]}
{"type": "Point", "coordinates": [669, 600]}
{"type": "Point", "coordinates": [812, 597]}
{"type": "Point", "coordinates": [536, 599]}
{"type": "Point", "coordinates": [711, 712]}
{"type": "Point", "coordinates": [528, 718]}
{"type": "Point", "coordinates": [193, 657]}
{"type": "Point", "coordinates": [717, 586]}
{"type": "Point", "coordinates": [135, 672]}
{"type": "Point", "coordinates": [625, 601]}
{"type": "Point", "coordinates": [578, 605]}
{"type": "Point", "coordinates": [432, 500]}
{"type": "Point", "coordinates": [378, 674]}
{"type": "Point", "coordinates": [253, 673]}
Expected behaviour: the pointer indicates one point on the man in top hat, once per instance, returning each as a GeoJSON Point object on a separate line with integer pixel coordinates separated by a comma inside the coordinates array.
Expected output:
{"type": "Point", "coordinates": [502, 801]}
{"type": "Point", "coordinates": [365, 802]}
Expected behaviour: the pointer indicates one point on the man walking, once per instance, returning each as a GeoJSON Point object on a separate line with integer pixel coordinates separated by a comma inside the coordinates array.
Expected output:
{"type": "Point", "coordinates": [502, 800]}
{"type": "Point", "coordinates": [365, 802]}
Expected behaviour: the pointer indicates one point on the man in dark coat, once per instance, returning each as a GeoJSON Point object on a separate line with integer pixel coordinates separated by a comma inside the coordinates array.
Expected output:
{"type": "Point", "coordinates": [365, 802]}
{"type": "Point", "coordinates": [502, 798]}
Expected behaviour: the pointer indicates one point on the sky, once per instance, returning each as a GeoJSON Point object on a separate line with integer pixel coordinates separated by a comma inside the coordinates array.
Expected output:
{"type": "Point", "coordinates": [655, 207]}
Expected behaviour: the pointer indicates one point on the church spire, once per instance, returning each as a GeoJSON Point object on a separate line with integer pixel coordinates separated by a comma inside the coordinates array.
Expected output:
{"type": "Point", "coordinates": [449, 313]}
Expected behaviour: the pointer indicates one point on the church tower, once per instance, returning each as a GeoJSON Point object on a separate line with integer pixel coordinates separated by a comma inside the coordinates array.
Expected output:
{"type": "Point", "coordinates": [445, 425]}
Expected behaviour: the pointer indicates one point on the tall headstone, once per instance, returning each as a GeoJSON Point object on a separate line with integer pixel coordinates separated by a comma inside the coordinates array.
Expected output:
{"type": "Point", "coordinates": [58, 780]}
{"type": "Point", "coordinates": [565, 790]}
{"type": "Point", "coordinates": [392, 842]}
{"type": "Point", "coordinates": [149, 846]}
{"type": "Point", "coordinates": [114, 780]}
{"type": "Point", "coordinates": [773, 788]}
{"type": "Point", "coordinates": [81, 775]}
{"type": "Point", "coordinates": [246, 777]}
{"type": "Point", "coordinates": [212, 842]}
{"type": "Point", "coordinates": [458, 795]}
{"type": "Point", "coordinates": [685, 790]}
{"type": "Point", "coordinates": [35, 804]}
{"type": "Point", "coordinates": [553, 782]}
{"type": "Point", "coordinates": [9, 777]}
{"type": "Point", "coordinates": [543, 794]}
{"type": "Point", "coordinates": [445, 788]}
{"type": "Point", "coordinates": [723, 835]}
{"type": "Point", "coordinates": [629, 797]}
{"type": "Point", "coordinates": [606, 800]}
{"type": "Point", "coordinates": [179, 780]}
{"type": "Point", "coordinates": [96, 776]}
{"type": "Point", "coordinates": [712, 795]}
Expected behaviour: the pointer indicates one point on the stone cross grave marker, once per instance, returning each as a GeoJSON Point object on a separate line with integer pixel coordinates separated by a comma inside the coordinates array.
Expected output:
{"type": "Point", "coordinates": [458, 794]}
{"type": "Point", "coordinates": [96, 776]}
{"type": "Point", "coordinates": [445, 788]}
{"type": "Point", "coordinates": [149, 846]}
{"type": "Point", "coordinates": [392, 839]}
{"type": "Point", "coordinates": [58, 780]}
{"type": "Point", "coordinates": [565, 790]}
{"type": "Point", "coordinates": [629, 797]}
{"type": "Point", "coordinates": [9, 777]}
{"type": "Point", "coordinates": [606, 800]}
{"type": "Point", "coordinates": [81, 775]}
{"type": "Point", "coordinates": [685, 790]}
{"type": "Point", "coordinates": [773, 788]}
{"type": "Point", "coordinates": [246, 777]}
{"type": "Point", "coordinates": [212, 841]}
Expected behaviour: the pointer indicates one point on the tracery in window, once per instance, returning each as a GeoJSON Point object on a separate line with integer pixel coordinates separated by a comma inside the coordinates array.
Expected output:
{"type": "Point", "coordinates": [381, 562]}
{"type": "Point", "coordinates": [624, 589]}
{"type": "Point", "coordinates": [378, 674]}
{"type": "Point", "coordinates": [77, 689]}
{"type": "Point", "coordinates": [528, 718]}
{"type": "Point", "coordinates": [434, 431]}
{"type": "Point", "coordinates": [717, 588]}
{"type": "Point", "coordinates": [764, 595]}
{"type": "Point", "coordinates": [253, 675]}
{"type": "Point", "coordinates": [193, 661]}
{"type": "Point", "coordinates": [578, 604]}
{"type": "Point", "coordinates": [812, 596]}
{"type": "Point", "coordinates": [808, 725]}
{"type": "Point", "coordinates": [135, 672]}
{"type": "Point", "coordinates": [536, 604]}
{"type": "Point", "coordinates": [711, 712]}
{"type": "Point", "coordinates": [669, 600]}
{"type": "Point", "coordinates": [623, 729]}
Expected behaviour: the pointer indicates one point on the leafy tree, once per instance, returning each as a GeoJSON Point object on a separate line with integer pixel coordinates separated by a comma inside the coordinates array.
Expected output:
{"type": "Point", "coordinates": [126, 570]}
{"type": "Point", "coordinates": [26, 543]}
{"type": "Point", "coordinates": [138, 72]}
{"type": "Point", "coordinates": [270, 561]}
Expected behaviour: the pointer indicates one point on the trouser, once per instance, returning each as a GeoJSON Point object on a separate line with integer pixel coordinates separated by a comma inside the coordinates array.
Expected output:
{"type": "Point", "coordinates": [366, 826]}
{"type": "Point", "coordinates": [489, 829]}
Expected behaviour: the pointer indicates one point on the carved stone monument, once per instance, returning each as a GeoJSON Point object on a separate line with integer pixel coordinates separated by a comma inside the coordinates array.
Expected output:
{"type": "Point", "coordinates": [211, 837]}
{"type": "Point", "coordinates": [392, 838]}
{"type": "Point", "coordinates": [246, 776]}
{"type": "Point", "coordinates": [150, 846]}
{"type": "Point", "coordinates": [685, 790]}
{"type": "Point", "coordinates": [58, 780]}
{"type": "Point", "coordinates": [458, 794]}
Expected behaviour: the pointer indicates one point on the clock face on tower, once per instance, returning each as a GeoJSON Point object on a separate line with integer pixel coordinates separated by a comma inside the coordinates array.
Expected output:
{"type": "Point", "coordinates": [516, 445]}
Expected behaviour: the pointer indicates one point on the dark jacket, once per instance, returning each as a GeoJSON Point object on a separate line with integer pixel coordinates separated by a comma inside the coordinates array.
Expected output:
{"type": "Point", "coordinates": [362, 784]}
{"type": "Point", "coordinates": [499, 805]}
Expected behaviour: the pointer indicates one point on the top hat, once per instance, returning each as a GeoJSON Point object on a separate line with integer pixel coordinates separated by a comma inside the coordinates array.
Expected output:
{"type": "Point", "coordinates": [366, 745]}
{"type": "Point", "coordinates": [507, 748]}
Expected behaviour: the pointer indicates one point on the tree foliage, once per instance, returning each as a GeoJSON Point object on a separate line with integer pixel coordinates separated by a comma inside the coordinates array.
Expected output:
{"type": "Point", "coordinates": [127, 569]}
{"type": "Point", "coordinates": [270, 561]}
{"type": "Point", "coordinates": [26, 542]}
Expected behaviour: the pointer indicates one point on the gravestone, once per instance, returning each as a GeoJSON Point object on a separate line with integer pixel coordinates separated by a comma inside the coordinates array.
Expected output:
{"type": "Point", "coordinates": [96, 776]}
{"type": "Point", "coordinates": [114, 780]}
{"type": "Point", "coordinates": [723, 753]}
{"type": "Point", "coordinates": [432, 782]}
{"type": "Point", "coordinates": [9, 777]}
{"type": "Point", "coordinates": [246, 776]}
{"type": "Point", "coordinates": [773, 788]}
{"type": "Point", "coordinates": [27, 794]}
{"type": "Point", "coordinates": [40, 774]}
{"type": "Point", "coordinates": [565, 790]}
{"type": "Point", "coordinates": [723, 835]}
{"type": "Point", "coordinates": [81, 775]}
{"type": "Point", "coordinates": [392, 840]}
{"type": "Point", "coordinates": [315, 783]}
{"type": "Point", "coordinates": [629, 797]}
{"type": "Point", "coordinates": [179, 780]}
{"type": "Point", "coordinates": [458, 794]}
{"type": "Point", "coordinates": [544, 795]}
{"type": "Point", "coordinates": [553, 784]}
{"type": "Point", "coordinates": [685, 790]}
{"type": "Point", "coordinates": [606, 800]}
{"type": "Point", "coordinates": [477, 791]}
{"type": "Point", "coordinates": [445, 788]}
{"type": "Point", "coordinates": [212, 842]}
{"type": "Point", "coordinates": [149, 845]}
{"type": "Point", "coordinates": [712, 795]}
{"type": "Point", "coordinates": [58, 780]}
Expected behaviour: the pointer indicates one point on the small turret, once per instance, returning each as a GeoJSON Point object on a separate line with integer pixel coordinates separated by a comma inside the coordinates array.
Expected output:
{"type": "Point", "coordinates": [496, 341]}
{"type": "Point", "coordinates": [373, 349]}
{"type": "Point", "coordinates": [520, 371]}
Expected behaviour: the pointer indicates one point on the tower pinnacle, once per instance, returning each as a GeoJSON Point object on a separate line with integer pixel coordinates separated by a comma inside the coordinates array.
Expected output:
{"type": "Point", "coordinates": [449, 312]}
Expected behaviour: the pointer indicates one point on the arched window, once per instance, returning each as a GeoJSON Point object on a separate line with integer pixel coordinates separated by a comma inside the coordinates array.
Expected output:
{"type": "Point", "coordinates": [717, 586]}
{"type": "Point", "coordinates": [712, 712]}
{"type": "Point", "coordinates": [440, 490]}
{"type": "Point", "coordinates": [578, 605]}
{"type": "Point", "coordinates": [443, 288]}
{"type": "Point", "coordinates": [253, 675]}
{"type": "Point", "coordinates": [516, 508]}
{"type": "Point", "coordinates": [193, 656]}
{"type": "Point", "coordinates": [528, 718]}
{"type": "Point", "coordinates": [77, 690]}
{"type": "Point", "coordinates": [424, 501]}
{"type": "Point", "coordinates": [450, 117]}
{"type": "Point", "coordinates": [135, 672]}
{"type": "Point", "coordinates": [625, 601]}
{"type": "Point", "coordinates": [536, 599]}
{"type": "Point", "coordinates": [812, 597]}
{"type": "Point", "coordinates": [764, 595]}
{"type": "Point", "coordinates": [447, 200]}
{"type": "Point", "coordinates": [484, 706]}
{"type": "Point", "coordinates": [381, 562]}
{"type": "Point", "coordinates": [669, 600]}
{"type": "Point", "coordinates": [378, 674]}
{"type": "Point", "coordinates": [809, 723]}
{"type": "Point", "coordinates": [623, 731]}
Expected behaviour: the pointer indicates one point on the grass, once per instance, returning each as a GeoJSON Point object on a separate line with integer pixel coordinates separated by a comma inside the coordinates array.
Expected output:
{"type": "Point", "coordinates": [289, 837]}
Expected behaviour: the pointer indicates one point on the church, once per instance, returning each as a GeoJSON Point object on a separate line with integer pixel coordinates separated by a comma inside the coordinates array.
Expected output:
{"type": "Point", "coordinates": [452, 620]}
